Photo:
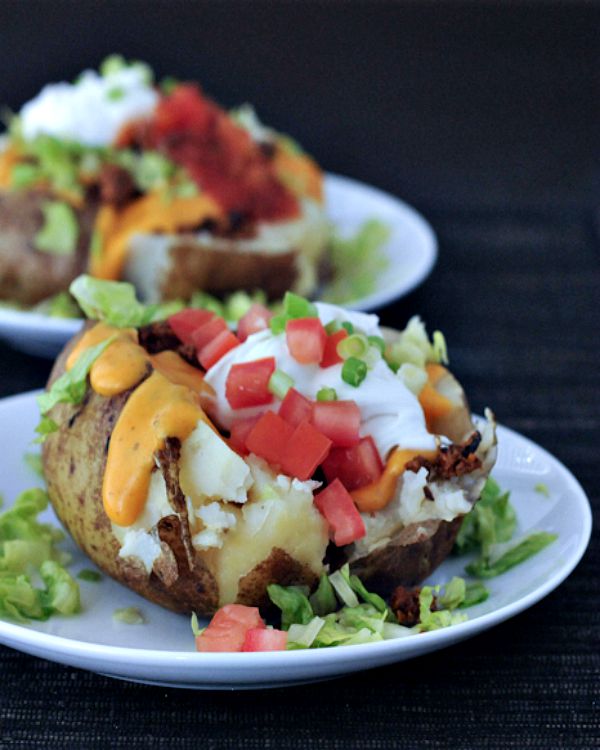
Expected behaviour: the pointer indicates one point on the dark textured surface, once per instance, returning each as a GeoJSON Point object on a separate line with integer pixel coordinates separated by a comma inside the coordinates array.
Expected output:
{"type": "Point", "coordinates": [487, 119]}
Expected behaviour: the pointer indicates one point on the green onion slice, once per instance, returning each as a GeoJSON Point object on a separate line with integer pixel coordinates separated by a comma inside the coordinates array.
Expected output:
{"type": "Point", "coordinates": [354, 371]}
{"type": "Point", "coordinates": [280, 383]}
{"type": "Point", "coordinates": [326, 394]}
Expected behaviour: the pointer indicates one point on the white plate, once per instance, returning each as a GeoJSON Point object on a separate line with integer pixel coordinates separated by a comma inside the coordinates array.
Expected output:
{"type": "Point", "coordinates": [162, 650]}
{"type": "Point", "coordinates": [411, 252]}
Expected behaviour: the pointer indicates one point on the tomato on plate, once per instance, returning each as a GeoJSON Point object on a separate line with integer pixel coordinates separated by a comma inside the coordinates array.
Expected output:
{"type": "Point", "coordinates": [305, 450]}
{"type": "Point", "coordinates": [356, 466]}
{"type": "Point", "coordinates": [306, 339]}
{"type": "Point", "coordinates": [269, 438]}
{"type": "Point", "coordinates": [212, 352]}
{"type": "Point", "coordinates": [295, 408]}
{"type": "Point", "coordinates": [228, 628]}
{"type": "Point", "coordinates": [338, 420]}
{"type": "Point", "coordinates": [185, 322]}
{"type": "Point", "coordinates": [330, 355]}
{"type": "Point", "coordinates": [256, 319]}
{"type": "Point", "coordinates": [337, 506]}
{"type": "Point", "coordinates": [247, 383]}
{"type": "Point", "coordinates": [208, 331]}
{"type": "Point", "coordinates": [265, 639]}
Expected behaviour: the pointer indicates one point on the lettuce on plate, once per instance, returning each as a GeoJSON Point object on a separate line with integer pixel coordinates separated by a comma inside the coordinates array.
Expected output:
{"type": "Point", "coordinates": [34, 583]}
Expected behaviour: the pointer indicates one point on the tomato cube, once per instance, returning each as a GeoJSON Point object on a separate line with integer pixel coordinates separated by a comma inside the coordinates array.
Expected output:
{"type": "Point", "coordinates": [248, 383]}
{"type": "Point", "coordinates": [295, 408]}
{"type": "Point", "coordinates": [265, 639]}
{"type": "Point", "coordinates": [212, 352]}
{"type": "Point", "coordinates": [185, 322]}
{"type": "Point", "coordinates": [208, 331]}
{"type": "Point", "coordinates": [306, 449]}
{"type": "Point", "coordinates": [339, 420]}
{"type": "Point", "coordinates": [356, 466]}
{"type": "Point", "coordinates": [337, 506]}
{"type": "Point", "coordinates": [256, 319]}
{"type": "Point", "coordinates": [330, 355]}
{"type": "Point", "coordinates": [306, 339]}
{"type": "Point", "coordinates": [228, 627]}
{"type": "Point", "coordinates": [240, 430]}
{"type": "Point", "coordinates": [269, 437]}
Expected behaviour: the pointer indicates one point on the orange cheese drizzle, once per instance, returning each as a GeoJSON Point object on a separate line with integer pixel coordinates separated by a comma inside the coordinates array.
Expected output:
{"type": "Point", "coordinates": [166, 404]}
{"type": "Point", "coordinates": [433, 403]}
{"type": "Point", "coordinates": [300, 173]}
{"type": "Point", "coordinates": [376, 495]}
{"type": "Point", "coordinates": [150, 213]}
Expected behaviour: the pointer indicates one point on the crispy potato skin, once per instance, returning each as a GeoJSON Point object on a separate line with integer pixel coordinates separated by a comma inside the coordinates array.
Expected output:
{"type": "Point", "coordinates": [219, 271]}
{"type": "Point", "coordinates": [409, 557]}
{"type": "Point", "coordinates": [28, 275]}
{"type": "Point", "coordinates": [74, 460]}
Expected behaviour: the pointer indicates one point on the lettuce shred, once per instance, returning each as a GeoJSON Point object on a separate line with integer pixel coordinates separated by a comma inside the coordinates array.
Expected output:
{"type": "Point", "coordinates": [34, 584]}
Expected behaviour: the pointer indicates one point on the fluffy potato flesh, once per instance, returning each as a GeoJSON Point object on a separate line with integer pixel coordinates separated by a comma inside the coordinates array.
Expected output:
{"type": "Point", "coordinates": [217, 528]}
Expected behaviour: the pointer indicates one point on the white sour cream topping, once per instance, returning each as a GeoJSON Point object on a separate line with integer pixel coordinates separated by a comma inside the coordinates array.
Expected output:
{"type": "Point", "coordinates": [391, 413]}
{"type": "Point", "coordinates": [91, 111]}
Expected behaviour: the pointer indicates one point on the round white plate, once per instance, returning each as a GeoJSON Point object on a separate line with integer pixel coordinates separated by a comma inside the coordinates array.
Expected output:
{"type": "Point", "coordinates": [162, 650]}
{"type": "Point", "coordinates": [411, 252]}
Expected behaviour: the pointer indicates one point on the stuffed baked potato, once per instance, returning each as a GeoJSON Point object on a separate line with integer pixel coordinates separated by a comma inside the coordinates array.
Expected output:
{"type": "Point", "coordinates": [157, 185]}
{"type": "Point", "coordinates": [197, 467]}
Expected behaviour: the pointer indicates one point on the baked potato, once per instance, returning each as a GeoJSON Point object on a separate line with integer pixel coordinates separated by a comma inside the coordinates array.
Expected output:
{"type": "Point", "coordinates": [162, 187]}
{"type": "Point", "coordinates": [234, 501]}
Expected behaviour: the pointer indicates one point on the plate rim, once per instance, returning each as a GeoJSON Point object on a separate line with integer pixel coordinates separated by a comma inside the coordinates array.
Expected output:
{"type": "Point", "coordinates": [119, 656]}
{"type": "Point", "coordinates": [12, 321]}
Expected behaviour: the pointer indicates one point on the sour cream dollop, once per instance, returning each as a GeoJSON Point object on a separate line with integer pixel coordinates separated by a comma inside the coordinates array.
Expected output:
{"type": "Point", "coordinates": [390, 412]}
{"type": "Point", "coordinates": [92, 110]}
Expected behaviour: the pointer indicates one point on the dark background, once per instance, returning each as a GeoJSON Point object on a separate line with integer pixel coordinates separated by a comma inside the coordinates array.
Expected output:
{"type": "Point", "coordinates": [485, 117]}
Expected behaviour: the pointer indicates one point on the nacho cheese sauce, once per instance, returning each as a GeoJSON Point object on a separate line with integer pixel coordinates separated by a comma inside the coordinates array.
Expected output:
{"type": "Point", "coordinates": [390, 412]}
{"type": "Point", "coordinates": [91, 111]}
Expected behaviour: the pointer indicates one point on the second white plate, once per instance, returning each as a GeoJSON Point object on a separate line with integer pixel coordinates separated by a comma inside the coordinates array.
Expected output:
{"type": "Point", "coordinates": [411, 253]}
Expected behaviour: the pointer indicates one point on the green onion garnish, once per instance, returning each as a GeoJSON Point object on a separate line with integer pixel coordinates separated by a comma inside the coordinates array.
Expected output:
{"type": "Point", "coordinates": [326, 394]}
{"type": "Point", "coordinates": [348, 327]}
{"type": "Point", "coordinates": [333, 327]}
{"type": "Point", "coordinates": [298, 307]}
{"type": "Point", "coordinates": [378, 342]}
{"type": "Point", "coordinates": [355, 345]}
{"type": "Point", "coordinates": [280, 383]}
{"type": "Point", "coordinates": [354, 371]}
{"type": "Point", "coordinates": [278, 322]}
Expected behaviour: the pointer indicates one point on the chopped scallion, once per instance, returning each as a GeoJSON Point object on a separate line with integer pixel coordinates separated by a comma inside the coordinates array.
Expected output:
{"type": "Point", "coordinates": [378, 342]}
{"type": "Point", "coordinates": [277, 323]}
{"type": "Point", "coordinates": [298, 307]}
{"type": "Point", "coordinates": [355, 345]}
{"type": "Point", "coordinates": [346, 325]}
{"type": "Point", "coordinates": [354, 371]}
{"type": "Point", "coordinates": [280, 383]}
{"type": "Point", "coordinates": [326, 394]}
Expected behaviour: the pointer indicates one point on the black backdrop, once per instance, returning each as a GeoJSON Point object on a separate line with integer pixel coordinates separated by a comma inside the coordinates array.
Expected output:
{"type": "Point", "coordinates": [485, 116]}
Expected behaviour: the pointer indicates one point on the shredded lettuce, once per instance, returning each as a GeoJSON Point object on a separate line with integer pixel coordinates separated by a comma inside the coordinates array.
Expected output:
{"type": "Point", "coordinates": [293, 603]}
{"type": "Point", "coordinates": [91, 576]}
{"type": "Point", "coordinates": [34, 584]}
{"type": "Point", "coordinates": [542, 489]}
{"type": "Point", "coordinates": [323, 601]}
{"type": "Point", "coordinates": [61, 305]}
{"type": "Point", "coordinates": [492, 520]}
{"type": "Point", "coordinates": [485, 567]}
{"type": "Point", "coordinates": [60, 230]}
{"type": "Point", "coordinates": [413, 347]}
{"type": "Point", "coordinates": [115, 303]}
{"type": "Point", "coordinates": [129, 616]}
{"type": "Point", "coordinates": [33, 461]}
{"type": "Point", "coordinates": [71, 387]}
{"type": "Point", "coordinates": [357, 262]}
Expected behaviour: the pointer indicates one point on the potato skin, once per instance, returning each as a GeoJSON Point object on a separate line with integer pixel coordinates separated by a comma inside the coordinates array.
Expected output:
{"type": "Point", "coordinates": [27, 275]}
{"type": "Point", "coordinates": [74, 460]}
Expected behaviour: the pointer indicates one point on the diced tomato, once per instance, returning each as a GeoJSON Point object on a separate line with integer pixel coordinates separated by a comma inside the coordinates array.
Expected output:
{"type": "Point", "coordinates": [305, 450]}
{"type": "Point", "coordinates": [185, 322]}
{"type": "Point", "coordinates": [330, 355]}
{"type": "Point", "coordinates": [354, 467]}
{"type": "Point", "coordinates": [339, 420]}
{"type": "Point", "coordinates": [218, 347]}
{"type": "Point", "coordinates": [269, 438]}
{"type": "Point", "coordinates": [228, 627]}
{"type": "Point", "coordinates": [306, 339]}
{"type": "Point", "coordinates": [208, 331]}
{"type": "Point", "coordinates": [295, 408]}
{"type": "Point", "coordinates": [248, 383]}
{"type": "Point", "coordinates": [265, 639]}
{"type": "Point", "coordinates": [256, 319]}
{"type": "Point", "coordinates": [240, 430]}
{"type": "Point", "coordinates": [337, 506]}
